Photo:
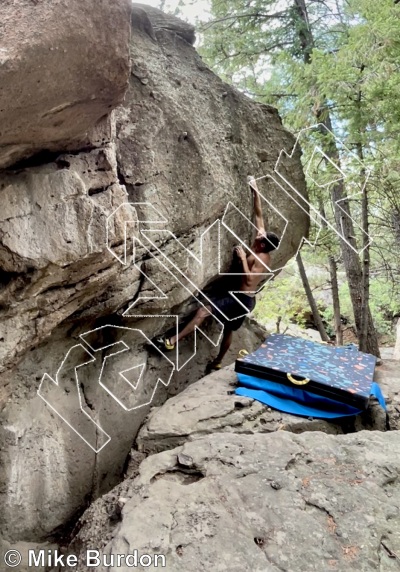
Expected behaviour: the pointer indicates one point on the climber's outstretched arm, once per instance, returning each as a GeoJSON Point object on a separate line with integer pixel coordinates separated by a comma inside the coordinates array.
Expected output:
{"type": "Point", "coordinates": [259, 219]}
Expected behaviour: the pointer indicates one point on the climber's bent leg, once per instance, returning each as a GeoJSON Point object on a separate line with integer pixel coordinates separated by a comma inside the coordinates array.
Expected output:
{"type": "Point", "coordinates": [200, 316]}
{"type": "Point", "coordinates": [197, 320]}
{"type": "Point", "coordinates": [225, 345]}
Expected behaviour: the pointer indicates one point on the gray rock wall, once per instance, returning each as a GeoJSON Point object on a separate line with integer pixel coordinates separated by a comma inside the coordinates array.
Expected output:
{"type": "Point", "coordinates": [180, 147]}
{"type": "Point", "coordinates": [63, 67]}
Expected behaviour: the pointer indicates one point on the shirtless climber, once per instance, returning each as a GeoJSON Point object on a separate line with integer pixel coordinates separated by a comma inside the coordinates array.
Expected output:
{"type": "Point", "coordinates": [254, 272]}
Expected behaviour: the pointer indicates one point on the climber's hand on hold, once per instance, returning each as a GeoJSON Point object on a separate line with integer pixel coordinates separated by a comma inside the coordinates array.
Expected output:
{"type": "Point", "coordinates": [240, 253]}
{"type": "Point", "coordinates": [252, 183]}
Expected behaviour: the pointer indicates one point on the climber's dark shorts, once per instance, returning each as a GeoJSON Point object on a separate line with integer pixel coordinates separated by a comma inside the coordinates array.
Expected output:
{"type": "Point", "coordinates": [234, 312]}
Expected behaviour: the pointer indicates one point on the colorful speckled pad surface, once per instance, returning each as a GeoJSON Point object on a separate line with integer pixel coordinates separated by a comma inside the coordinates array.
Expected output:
{"type": "Point", "coordinates": [343, 368]}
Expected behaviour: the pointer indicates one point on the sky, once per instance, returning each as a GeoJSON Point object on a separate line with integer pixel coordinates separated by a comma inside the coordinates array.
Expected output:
{"type": "Point", "coordinates": [191, 10]}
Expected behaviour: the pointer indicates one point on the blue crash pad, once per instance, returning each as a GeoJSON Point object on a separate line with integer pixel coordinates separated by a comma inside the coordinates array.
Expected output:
{"type": "Point", "coordinates": [299, 401]}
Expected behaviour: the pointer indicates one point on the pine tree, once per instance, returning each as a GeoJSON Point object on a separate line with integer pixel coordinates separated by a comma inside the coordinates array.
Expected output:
{"type": "Point", "coordinates": [335, 63]}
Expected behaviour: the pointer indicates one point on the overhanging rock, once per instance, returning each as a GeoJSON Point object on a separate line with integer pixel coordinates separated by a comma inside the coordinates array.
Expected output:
{"type": "Point", "coordinates": [64, 66]}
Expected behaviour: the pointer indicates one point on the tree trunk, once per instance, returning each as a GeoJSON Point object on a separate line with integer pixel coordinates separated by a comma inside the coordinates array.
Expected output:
{"type": "Point", "coordinates": [334, 285]}
{"type": "Point", "coordinates": [336, 301]}
{"type": "Point", "coordinates": [363, 335]}
{"type": "Point", "coordinates": [351, 259]}
{"type": "Point", "coordinates": [311, 300]}
{"type": "Point", "coordinates": [304, 30]}
{"type": "Point", "coordinates": [344, 222]}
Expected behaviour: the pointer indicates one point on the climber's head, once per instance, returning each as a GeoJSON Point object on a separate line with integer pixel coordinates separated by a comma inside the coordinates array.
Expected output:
{"type": "Point", "coordinates": [266, 242]}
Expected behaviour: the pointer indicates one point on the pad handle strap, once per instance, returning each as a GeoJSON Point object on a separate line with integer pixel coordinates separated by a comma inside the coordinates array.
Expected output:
{"type": "Point", "coordinates": [297, 381]}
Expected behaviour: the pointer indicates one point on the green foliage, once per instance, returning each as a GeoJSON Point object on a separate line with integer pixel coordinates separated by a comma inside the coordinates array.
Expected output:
{"type": "Point", "coordinates": [284, 299]}
{"type": "Point", "coordinates": [344, 59]}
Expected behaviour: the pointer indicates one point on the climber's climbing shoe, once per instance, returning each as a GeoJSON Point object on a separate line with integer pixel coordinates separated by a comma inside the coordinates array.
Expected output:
{"type": "Point", "coordinates": [213, 366]}
{"type": "Point", "coordinates": [164, 344]}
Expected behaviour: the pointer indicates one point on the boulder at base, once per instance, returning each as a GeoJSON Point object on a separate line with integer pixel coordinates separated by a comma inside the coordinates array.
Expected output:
{"type": "Point", "coordinates": [264, 502]}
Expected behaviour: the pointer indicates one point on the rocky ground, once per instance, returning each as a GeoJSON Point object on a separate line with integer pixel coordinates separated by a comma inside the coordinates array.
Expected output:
{"type": "Point", "coordinates": [218, 481]}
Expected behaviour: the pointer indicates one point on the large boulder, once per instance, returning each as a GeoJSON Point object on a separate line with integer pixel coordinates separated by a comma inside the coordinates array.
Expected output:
{"type": "Point", "coordinates": [71, 293]}
{"type": "Point", "coordinates": [182, 146]}
{"type": "Point", "coordinates": [64, 64]}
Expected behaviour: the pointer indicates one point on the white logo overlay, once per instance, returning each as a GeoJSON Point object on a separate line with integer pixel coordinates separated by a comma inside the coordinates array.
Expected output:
{"type": "Point", "coordinates": [100, 349]}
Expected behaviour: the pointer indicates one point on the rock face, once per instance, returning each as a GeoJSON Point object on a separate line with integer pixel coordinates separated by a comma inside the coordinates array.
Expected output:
{"type": "Point", "coordinates": [187, 141]}
{"type": "Point", "coordinates": [388, 378]}
{"type": "Point", "coordinates": [69, 474]}
{"type": "Point", "coordinates": [79, 300]}
{"type": "Point", "coordinates": [260, 502]}
{"type": "Point", "coordinates": [63, 67]}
